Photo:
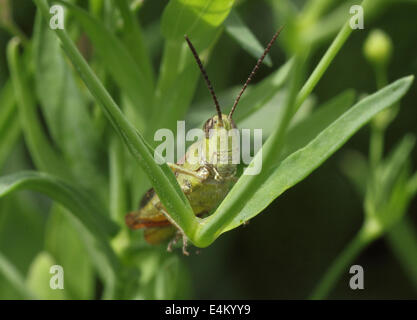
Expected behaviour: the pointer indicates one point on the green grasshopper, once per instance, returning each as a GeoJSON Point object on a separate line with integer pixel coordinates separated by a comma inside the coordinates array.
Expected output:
{"type": "Point", "coordinates": [205, 182]}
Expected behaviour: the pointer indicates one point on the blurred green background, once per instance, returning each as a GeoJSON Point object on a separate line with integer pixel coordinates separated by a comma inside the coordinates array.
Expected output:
{"type": "Point", "coordinates": [282, 253]}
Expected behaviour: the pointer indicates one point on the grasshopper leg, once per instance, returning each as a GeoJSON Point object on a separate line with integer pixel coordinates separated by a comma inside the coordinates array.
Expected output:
{"type": "Point", "coordinates": [174, 241]}
{"type": "Point", "coordinates": [179, 169]}
{"type": "Point", "coordinates": [184, 245]}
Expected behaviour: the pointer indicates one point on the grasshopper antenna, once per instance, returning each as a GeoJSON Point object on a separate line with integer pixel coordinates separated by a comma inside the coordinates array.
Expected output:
{"type": "Point", "coordinates": [203, 71]}
{"type": "Point", "coordinates": [255, 69]}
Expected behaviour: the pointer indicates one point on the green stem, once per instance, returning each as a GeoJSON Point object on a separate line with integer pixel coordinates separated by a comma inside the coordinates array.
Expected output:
{"type": "Point", "coordinates": [341, 264]}
{"type": "Point", "coordinates": [376, 146]}
{"type": "Point", "coordinates": [325, 61]}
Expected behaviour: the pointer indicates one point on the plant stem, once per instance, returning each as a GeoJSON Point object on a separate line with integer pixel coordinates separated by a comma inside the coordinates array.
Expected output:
{"type": "Point", "coordinates": [376, 146]}
{"type": "Point", "coordinates": [325, 61]}
{"type": "Point", "coordinates": [341, 263]}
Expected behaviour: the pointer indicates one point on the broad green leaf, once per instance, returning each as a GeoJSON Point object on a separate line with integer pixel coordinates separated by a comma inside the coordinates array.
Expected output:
{"type": "Point", "coordinates": [39, 277]}
{"type": "Point", "coordinates": [117, 59]}
{"type": "Point", "coordinates": [161, 176]}
{"type": "Point", "coordinates": [301, 163]}
{"type": "Point", "coordinates": [63, 242]}
{"type": "Point", "coordinates": [9, 271]}
{"type": "Point", "coordinates": [198, 19]}
{"type": "Point", "coordinates": [237, 29]}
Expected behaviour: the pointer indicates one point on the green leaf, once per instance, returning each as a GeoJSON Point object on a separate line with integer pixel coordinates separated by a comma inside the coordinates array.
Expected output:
{"type": "Point", "coordinates": [65, 107]}
{"type": "Point", "coordinates": [14, 277]}
{"type": "Point", "coordinates": [387, 197]}
{"type": "Point", "coordinates": [92, 224]}
{"type": "Point", "coordinates": [237, 29]}
{"type": "Point", "coordinates": [62, 241]}
{"type": "Point", "coordinates": [301, 163]}
{"type": "Point", "coordinates": [9, 122]}
{"type": "Point", "coordinates": [198, 19]}
{"type": "Point", "coordinates": [38, 279]}
{"type": "Point", "coordinates": [43, 154]}
{"type": "Point", "coordinates": [133, 39]}
{"type": "Point", "coordinates": [77, 201]}
{"type": "Point", "coordinates": [117, 59]}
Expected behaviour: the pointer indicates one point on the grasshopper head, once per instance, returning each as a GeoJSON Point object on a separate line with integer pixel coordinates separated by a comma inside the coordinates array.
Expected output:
{"type": "Point", "coordinates": [215, 125]}
{"type": "Point", "coordinates": [222, 145]}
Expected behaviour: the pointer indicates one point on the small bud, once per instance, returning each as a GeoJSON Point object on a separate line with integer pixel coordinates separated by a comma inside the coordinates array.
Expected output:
{"type": "Point", "coordinates": [378, 47]}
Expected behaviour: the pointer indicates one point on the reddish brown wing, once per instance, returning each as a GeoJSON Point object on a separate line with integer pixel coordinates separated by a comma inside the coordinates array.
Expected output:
{"type": "Point", "coordinates": [134, 222]}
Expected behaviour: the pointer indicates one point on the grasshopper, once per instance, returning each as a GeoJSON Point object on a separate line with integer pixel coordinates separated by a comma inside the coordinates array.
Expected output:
{"type": "Point", "coordinates": [205, 182]}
